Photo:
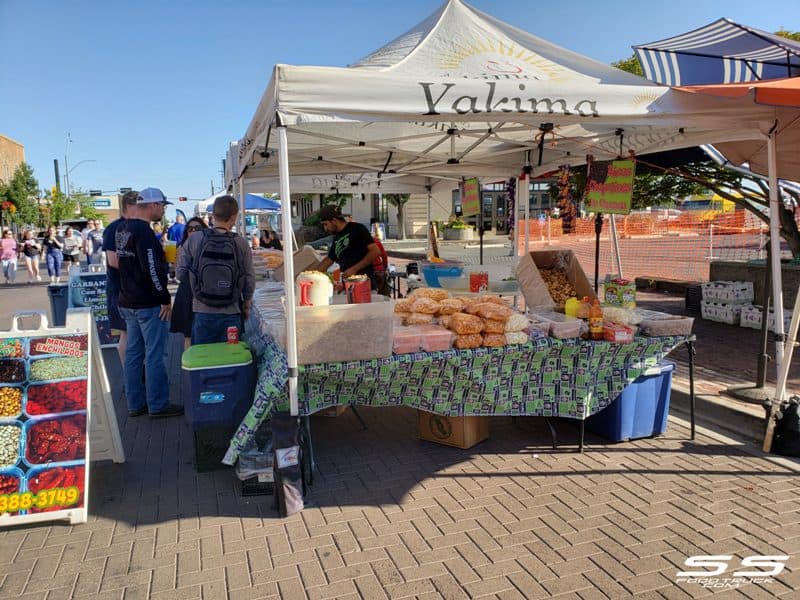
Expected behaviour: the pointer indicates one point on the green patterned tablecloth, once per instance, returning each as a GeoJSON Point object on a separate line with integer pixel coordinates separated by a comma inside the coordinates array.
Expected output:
{"type": "Point", "coordinates": [545, 377]}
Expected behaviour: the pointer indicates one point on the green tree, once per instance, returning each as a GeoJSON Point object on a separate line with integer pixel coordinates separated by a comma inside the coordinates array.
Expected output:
{"type": "Point", "coordinates": [60, 207]}
{"type": "Point", "coordinates": [399, 201]}
{"type": "Point", "coordinates": [22, 191]}
{"type": "Point", "coordinates": [631, 65]}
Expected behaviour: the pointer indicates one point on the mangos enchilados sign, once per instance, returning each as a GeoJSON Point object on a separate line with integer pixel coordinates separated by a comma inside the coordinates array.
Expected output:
{"type": "Point", "coordinates": [610, 187]}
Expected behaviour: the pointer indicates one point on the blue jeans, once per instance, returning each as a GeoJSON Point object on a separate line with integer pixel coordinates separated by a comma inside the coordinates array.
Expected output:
{"type": "Point", "coordinates": [209, 328]}
{"type": "Point", "coordinates": [54, 261]}
{"type": "Point", "coordinates": [147, 345]}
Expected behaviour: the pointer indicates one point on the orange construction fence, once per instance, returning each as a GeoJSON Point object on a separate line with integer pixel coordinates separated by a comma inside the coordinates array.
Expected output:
{"type": "Point", "coordinates": [651, 246]}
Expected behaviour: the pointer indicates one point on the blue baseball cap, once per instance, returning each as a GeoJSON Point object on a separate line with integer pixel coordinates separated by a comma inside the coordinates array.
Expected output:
{"type": "Point", "coordinates": [152, 196]}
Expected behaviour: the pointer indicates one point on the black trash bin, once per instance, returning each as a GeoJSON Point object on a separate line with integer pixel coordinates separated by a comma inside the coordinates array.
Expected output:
{"type": "Point", "coordinates": [58, 304]}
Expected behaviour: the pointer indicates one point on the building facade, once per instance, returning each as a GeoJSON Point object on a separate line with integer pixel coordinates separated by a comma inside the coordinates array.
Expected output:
{"type": "Point", "coordinates": [12, 155]}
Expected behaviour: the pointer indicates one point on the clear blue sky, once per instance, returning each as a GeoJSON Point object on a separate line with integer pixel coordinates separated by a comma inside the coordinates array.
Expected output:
{"type": "Point", "coordinates": [154, 91]}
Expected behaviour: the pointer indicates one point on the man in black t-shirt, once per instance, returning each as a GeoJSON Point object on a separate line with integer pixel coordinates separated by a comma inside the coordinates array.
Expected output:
{"type": "Point", "coordinates": [115, 319]}
{"type": "Point", "coordinates": [352, 248]}
{"type": "Point", "coordinates": [145, 304]}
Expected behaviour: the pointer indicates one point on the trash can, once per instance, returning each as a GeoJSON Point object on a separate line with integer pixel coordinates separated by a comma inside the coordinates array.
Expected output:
{"type": "Point", "coordinates": [58, 303]}
{"type": "Point", "coordinates": [641, 409]}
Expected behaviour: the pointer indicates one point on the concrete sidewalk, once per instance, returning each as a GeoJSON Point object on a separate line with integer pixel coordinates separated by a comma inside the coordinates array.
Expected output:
{"type": "Point", "coordinates": [391, 516]}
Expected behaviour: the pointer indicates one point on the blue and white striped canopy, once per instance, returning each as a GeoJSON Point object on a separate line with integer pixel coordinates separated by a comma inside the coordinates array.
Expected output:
{"type": "Point", "coordinates": [721, 52]}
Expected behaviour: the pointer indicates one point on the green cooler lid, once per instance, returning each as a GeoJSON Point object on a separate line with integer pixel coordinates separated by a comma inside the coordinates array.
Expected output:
{"type": "Point", "coordinates": [204, 356]}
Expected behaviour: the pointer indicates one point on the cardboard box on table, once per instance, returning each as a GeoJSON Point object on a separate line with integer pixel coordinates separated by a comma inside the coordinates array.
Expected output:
{"type": "Point", "coordinates": [461, 432]}
{"type": "Point", "coordinates": [533, 287]}
{"type": "Point", "coordinates": [304, 259]}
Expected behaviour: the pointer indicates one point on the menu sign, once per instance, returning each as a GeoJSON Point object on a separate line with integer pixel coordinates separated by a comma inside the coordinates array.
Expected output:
{"type": "Point", "coordinates": [89, 290]}
{"type": "Point", "coordinates": [610, 187]}
{"type": "Point", "coordinates": [44, 400]}
{"type": "Point", "coordinates": [471, 202]}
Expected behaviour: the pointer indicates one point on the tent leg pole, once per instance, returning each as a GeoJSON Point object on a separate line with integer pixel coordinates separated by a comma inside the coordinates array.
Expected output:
{"type": "Point", "coordinates": [777, 286]}
{"type": "Point", "coordinates": [690, 348]}
{"type": "Point", "coordinates": [288, 265]}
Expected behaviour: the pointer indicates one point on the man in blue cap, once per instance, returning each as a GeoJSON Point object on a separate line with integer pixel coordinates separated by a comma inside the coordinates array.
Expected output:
{"type": "Point", "coordinates": [146, 305]}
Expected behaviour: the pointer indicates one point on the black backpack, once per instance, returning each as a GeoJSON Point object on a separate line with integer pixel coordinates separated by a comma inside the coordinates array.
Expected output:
{"type": "Point", "coordinates": [217, 274]}
{"type": "Point", "coordinates": [787, 429]}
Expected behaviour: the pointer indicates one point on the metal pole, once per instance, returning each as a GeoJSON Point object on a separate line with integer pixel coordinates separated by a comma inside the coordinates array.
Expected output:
{"type": "Point", "coordinates": [761, 371]}
{"type": "Point", "coordinates": [288, 265]}
{"type": "Point", "coordinates": [66, 166]}
{"type": "Point", "coordinates": [517, 198]}
{"type": "Point", "coordinates": [615, 240]}
{"type": "Point", "coordinates": [711, 242]}
{"type": "Point", "coordinates": [527, 198]}
{"type": "Point", "coordinates": [775, 258]}
{"type": "Point", "coordinates": [598, 228]}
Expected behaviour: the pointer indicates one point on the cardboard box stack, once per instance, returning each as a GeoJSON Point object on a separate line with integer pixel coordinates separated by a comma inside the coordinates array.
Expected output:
{"type": "Point", "coordinates": [723, 301]}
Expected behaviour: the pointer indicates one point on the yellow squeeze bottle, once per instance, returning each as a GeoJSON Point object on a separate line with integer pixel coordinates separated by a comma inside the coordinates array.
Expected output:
{"type": "Point", "coordinates": [571, 307]}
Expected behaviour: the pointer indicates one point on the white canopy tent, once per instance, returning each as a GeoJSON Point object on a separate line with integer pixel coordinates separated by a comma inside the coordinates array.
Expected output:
{"type": "Point", "coordinates": [463, 94]}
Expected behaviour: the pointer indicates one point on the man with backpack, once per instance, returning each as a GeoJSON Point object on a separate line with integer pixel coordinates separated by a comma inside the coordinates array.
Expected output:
{"type": "Point", "coordinates": [219, 265]}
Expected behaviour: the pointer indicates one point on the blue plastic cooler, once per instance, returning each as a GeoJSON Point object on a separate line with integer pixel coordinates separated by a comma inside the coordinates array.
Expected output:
{"type": "Point", "coordinates": [218, 384]}
{"type": "Point", "coordinates": [641, 409]}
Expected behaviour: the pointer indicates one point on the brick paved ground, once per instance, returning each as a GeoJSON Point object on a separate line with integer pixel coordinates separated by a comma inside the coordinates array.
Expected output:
{"type": "Point", "coordinates": [395, 517]}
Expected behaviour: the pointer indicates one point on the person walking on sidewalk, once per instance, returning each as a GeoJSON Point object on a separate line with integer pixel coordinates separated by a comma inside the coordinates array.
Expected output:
{"type": "Point", "coordinates": [54, 256]}
{"type": "Point", "coordinates": [72, 248]}
{"type": "Point", "coordinates": [219, 265]}
{"type": "Point", "coordinates": [145, 304]}
{"type": "Point", "coordinates": [31, 250]}
{"type": "Point", "coordinates": [8, 256]}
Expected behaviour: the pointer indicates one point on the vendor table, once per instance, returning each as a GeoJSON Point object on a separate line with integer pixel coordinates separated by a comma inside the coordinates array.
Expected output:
{"type": "Point", "coordinates": [544, 377]}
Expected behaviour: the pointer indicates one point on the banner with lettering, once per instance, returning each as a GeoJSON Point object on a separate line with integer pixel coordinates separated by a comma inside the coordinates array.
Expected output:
{"type": "Point", "coordinates": [89, 290]}
{"type": "Point", "coordinates": [609, 188]}
{"type": "Point", "coordinates": [44, 411]}
{"type": "Point", "coordinates": [471, 201]}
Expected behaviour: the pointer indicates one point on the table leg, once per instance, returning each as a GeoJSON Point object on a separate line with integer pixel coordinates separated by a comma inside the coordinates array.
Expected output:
{"type": "Point", "coordinates": [552, 431]}
{"type": "Point", "coordinates": [583, 430]}
{"type": "Point", "coordinates": [690, 347]}
{"type": "Point", "coordinates": [359, 417]}
{"type": "Point", "coordinates": [311, 458]}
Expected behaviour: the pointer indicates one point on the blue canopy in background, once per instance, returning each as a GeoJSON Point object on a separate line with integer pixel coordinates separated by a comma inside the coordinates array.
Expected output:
{"type": "Point", "coordinates": [255, 202]}
{"type": "Point", "coordinates": [721, 52]}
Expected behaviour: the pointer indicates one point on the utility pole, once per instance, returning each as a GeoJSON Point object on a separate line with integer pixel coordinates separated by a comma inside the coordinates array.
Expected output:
{"type": "Point", "coordinates": [58, 177]}
{"type": "Point", "coordinates": [66, 165]}
{"type": "Point", "coordinates": [212, 187]}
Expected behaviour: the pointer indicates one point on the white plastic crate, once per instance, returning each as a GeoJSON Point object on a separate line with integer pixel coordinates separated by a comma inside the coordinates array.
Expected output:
{"type": "Point", "coordinates": [728, 292]}
{"type": "Point", "coordinates": [751, 317]}
{"type": "Point", "coordinates": [721, 313]}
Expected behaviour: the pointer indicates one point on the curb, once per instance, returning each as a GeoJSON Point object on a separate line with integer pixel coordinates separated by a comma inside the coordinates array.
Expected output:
{"type": "Point", "coordinates": [717, 416]}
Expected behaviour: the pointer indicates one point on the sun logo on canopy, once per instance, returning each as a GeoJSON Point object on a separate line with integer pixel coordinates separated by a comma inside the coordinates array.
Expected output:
{"type": "Point", "coordinates": [645, 99]}
{"type": "Point", "coordinates": [495, 59]}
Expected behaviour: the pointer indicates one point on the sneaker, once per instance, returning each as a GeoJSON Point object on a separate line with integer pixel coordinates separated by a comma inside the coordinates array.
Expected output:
{"type": "Point", "coordinates": [138, 412]}
{"type": "Point", "coordinates": [172, 410]}
{"type": "Point", "coordinates": [38, 278]}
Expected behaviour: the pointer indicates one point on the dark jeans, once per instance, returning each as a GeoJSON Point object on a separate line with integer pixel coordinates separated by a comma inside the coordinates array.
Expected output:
{"type": "Point", "coordinates": [210, 328]}
{"type": "Point", "coordinates": [147, 345]}
{"type": "Point", "coordinates": [54, 261]}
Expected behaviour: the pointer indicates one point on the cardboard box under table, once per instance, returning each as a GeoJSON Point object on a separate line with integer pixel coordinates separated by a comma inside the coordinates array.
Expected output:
{"type": "Point", "coordinates": [218, 383]}
{"type": "Point", "coordinates": [641, 409]}
{"type": "Point", "coordinates": [461, 432]}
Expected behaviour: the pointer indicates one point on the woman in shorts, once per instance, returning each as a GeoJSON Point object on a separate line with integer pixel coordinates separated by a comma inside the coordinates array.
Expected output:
{"type": "Point", "coordinates": [72, 247]}
{"type": "Point", "coordinates": [32, 251]}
